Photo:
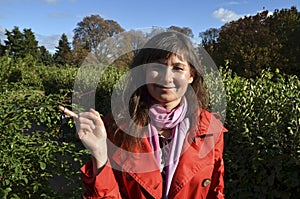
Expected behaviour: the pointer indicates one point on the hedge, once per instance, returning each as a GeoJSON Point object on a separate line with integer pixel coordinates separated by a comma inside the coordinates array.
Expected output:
{"type": "Point", "coordinates": [262, 147]}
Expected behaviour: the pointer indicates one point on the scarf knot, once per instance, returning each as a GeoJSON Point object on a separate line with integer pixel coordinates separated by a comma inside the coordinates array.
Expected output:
{"type": "Point", "coordinates": [163, 118]}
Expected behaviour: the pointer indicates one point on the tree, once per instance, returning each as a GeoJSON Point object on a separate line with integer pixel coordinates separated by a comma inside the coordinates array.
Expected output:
{"type": "Point", "coordinates": [137, 39]}
{"type": "Point", "coordinates": [209, 39]}
{"type": "Point", "coordinates": [14, 42]}
{"type": "Point", "coordinates": [247, 45]}
{"type": "Point", "coordinates": [20, 45]}
{"type": "Point", "coordinates": [90, 32]}
{"type": "Point", "coordinates": [63, 54]}
{"type": "Point", "coordinates": [286, 26]}
{"type": "Point", "coordinates": [184, 30]}
{"type": "Point", "coordinates": [262, 41]}
{"type": "Point", "coordinates": [2, 49]}
{"type": "Point", "coordinates": [30, 43]}
{"type": "Point", "coordinates": [45, 56]}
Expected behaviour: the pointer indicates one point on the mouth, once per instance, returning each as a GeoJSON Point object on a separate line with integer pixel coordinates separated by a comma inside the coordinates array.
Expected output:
{"type": "Point", "coordinates": [166, 88]}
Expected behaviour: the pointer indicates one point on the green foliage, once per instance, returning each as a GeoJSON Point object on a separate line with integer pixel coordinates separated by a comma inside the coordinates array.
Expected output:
{"type": "Point", "coordinates": [262, 149]}
{"type": "Point", "coordinates": [31, 155]}
{"type": "Point", "coordinates": [63, 54]}
{"type": "Point", "coordinates": [24, 71]}
{"type": "Point", "coordinates": [40, 156]}
{"type": "Point", "coordinates": [57, 81]}
{"type": "Point", "coordinates": [21, 44]}
{"type": "Point", "coordinates": [253, 43]}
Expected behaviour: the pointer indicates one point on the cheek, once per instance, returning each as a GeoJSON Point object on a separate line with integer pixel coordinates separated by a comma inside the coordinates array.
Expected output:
{"type": "Point", "coordinates": [182, 79]}
{"type": "Point", "coordinates": [151, 76]}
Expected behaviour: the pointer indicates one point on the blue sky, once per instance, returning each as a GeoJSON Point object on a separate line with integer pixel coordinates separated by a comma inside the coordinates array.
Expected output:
{"type": "Point", "coordinates": [48, 19]}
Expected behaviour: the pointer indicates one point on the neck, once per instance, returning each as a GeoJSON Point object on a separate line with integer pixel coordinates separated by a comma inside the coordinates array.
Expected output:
{"type": "Point", "coordinates": [171, 105]}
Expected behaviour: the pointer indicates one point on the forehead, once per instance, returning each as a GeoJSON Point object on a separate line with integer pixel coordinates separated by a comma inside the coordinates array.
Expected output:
{"type": "Point", "coordinates": [173, 58]}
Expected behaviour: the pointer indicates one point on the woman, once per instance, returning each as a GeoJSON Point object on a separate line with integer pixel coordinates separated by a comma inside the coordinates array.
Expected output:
{"type": "Point", "coordinates": [162, 141]}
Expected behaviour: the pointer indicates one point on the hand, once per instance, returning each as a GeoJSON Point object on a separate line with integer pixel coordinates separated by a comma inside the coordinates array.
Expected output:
{"type": "Point", "coordinates": [92, 133]}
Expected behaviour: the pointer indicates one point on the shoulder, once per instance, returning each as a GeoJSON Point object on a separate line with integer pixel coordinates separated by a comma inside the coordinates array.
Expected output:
{"type": "Point", "coordinates": [210, 123]}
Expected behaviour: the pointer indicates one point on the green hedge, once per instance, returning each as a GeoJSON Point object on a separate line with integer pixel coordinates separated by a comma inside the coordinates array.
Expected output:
{"type": "Point", "coordinates": [262, 147]}
{"type": "Point", "coordinates": [32, 156]}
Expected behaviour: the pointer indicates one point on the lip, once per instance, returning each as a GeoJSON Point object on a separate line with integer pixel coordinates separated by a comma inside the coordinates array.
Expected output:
{"type": "Point", "coordinates": [164, 88]}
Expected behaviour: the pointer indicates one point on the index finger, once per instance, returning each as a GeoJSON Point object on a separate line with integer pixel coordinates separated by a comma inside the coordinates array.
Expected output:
{"type": "Point", "coordinates": [68, 112]}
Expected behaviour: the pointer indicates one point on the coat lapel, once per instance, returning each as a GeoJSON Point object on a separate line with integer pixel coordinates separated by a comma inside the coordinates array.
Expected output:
{"type": "Point", "coordinates": [142, 167]}
{"type": "Point", "coordinates": [198, 152]}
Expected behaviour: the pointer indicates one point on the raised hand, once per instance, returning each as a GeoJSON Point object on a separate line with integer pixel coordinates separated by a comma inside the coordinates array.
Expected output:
{"type": "Point", "coordinates": [92, 133]}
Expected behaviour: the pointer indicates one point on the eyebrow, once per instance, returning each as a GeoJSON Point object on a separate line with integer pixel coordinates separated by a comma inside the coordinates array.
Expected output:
{"type": "Point", "coordinates": [164, 61]}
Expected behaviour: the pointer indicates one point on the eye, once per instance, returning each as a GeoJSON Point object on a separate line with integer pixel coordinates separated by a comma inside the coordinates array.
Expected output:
{"type": "Point", "coordinates": [178, 68]}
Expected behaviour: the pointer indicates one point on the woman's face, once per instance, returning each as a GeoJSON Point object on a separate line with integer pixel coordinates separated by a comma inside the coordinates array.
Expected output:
{"type": "Point", "coordinates": [168, 79]}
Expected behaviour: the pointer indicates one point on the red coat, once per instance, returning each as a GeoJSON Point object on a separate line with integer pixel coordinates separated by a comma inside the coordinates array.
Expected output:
{"type": "Point", "coordinates": [199, 173]}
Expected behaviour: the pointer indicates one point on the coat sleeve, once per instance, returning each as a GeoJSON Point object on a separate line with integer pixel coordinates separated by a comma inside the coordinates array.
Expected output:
{"type": "Point", "coordinates": [104, 185]}
{"type": "Point", "coordinates": [217, 182]}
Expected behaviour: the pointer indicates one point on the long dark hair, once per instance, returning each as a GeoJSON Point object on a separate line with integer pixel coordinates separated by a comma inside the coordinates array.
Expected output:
{"type": "Point", "coordinates": [160, 46]}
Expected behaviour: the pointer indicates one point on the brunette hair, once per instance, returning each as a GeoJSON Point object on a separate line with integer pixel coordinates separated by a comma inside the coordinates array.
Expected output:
{"type": "Point", "coordinates": [161, 46]}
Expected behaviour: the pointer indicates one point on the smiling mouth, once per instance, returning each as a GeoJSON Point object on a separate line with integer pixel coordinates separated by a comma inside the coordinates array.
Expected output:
{"type": "Point", "coordinates": [164, 87]}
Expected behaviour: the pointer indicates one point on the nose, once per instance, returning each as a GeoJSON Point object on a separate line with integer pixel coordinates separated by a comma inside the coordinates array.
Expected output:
{"type": "Point", "coordinates": [167, 75]}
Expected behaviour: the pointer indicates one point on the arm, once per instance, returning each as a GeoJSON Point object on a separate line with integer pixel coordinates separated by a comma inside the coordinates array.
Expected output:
{"type": "Point", "coordinates": [217, 183]}
{"type": "Point", "coordinates": [102, 185]}
{"type": "Point", "coordinates": [97, 175]}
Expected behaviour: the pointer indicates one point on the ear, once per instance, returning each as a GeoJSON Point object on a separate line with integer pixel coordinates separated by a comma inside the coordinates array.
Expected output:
{"type": "Point", "coordinates": [191, 79]}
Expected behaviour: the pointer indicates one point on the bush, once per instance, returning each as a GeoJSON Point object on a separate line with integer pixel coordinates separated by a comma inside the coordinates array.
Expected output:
{"type": "Point", "coordinates": [39, 159]}
{"type": "Point", "coordinates": [31, 153]}
{"type": "Point", "coordinates": [262, 149]}
{"type": "Point", "coordinates": [58, 80]}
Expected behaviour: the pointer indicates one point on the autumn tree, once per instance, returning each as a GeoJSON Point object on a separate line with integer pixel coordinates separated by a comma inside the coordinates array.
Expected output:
{"type": "Point", "coordinates": [128, 44]}
{"type": "Point", "coordinates": [253, 43]}
{"type": "Point", "coordinates": [285, 24]}
{"type": "Point", "coordinates": [247, 45]}
{"type": "Point", "coordinates": [63, 54]}
{"type": "Point", "coordinates": [184, 30]}
{"type": "Point", "coordinates": [90, 32]}
{"type": "Point", "coordinates": [209, 38]}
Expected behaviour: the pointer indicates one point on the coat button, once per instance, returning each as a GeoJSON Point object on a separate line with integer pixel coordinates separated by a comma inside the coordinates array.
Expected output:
{"type": "Point", "coordinates": [206, 182]}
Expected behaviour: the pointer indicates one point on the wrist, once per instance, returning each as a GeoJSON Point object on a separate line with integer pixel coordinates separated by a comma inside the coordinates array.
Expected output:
{"type": "Point", "coordinates": [98, 164]}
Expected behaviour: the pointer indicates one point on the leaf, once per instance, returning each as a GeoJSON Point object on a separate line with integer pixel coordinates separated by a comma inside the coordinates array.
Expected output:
{"type": "Point", "coordinates": [42, 165]}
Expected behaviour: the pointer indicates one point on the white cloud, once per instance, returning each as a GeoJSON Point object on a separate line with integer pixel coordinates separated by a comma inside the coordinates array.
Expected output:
{"type": "Point", "coordinates": [50, 42]}
{"type": "Point", "coordinates": [269, 12]}
{"type": "Point", "coordinates": [2, 35]}
{"type": "Point", "coordinates": [225, 15]}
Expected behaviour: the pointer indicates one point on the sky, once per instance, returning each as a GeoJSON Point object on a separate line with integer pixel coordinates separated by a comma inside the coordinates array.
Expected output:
{"type": "Point", "coordinates": [49, 19]}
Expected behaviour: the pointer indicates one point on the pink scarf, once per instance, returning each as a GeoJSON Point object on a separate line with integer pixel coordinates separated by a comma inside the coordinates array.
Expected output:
{"type": "Point", "coordinates": [161, 118]}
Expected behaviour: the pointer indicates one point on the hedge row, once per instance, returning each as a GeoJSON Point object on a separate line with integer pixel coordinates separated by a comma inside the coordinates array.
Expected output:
{"type": "Point", "coordinates": [262, 147]}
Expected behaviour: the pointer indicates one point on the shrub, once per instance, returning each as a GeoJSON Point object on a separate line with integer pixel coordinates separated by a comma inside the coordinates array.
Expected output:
{"type": "Point", "coordinates": [262, 149]}
{"type": "Point", "coordinates": [31, 153]}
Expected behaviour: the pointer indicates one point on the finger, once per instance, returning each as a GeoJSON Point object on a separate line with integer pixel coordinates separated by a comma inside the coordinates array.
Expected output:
{"type": "Point", "coordinates": [86, 121]}
{"type": "Point", "coordinates": [98, 120]}
{"type": "Point", "coordinates": [68, 112]}
{"type": "Point", "coordinates": [84, 129]}
{"type": "Point", "coordinates": [89, 115]}
{"type": "Point", "coordinates": [95, 112]}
